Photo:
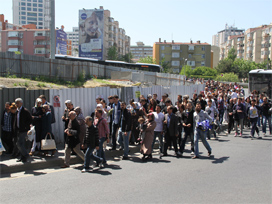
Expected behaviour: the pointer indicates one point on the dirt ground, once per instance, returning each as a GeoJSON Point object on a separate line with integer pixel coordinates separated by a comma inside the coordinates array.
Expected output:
{"type": "Point", "coordinates": [31, 84]}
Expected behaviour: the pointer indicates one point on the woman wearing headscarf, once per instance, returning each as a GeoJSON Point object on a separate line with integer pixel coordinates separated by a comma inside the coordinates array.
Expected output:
{"type": "Point", "coordinates": [37, 113]}
{"type": "Point", "coordinates": [81, 121]}
{"type": "Point", "coordinates": [146, 147]}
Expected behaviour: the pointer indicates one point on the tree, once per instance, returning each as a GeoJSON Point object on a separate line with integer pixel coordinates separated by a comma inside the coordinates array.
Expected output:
{"type": "Point", "coordinates": [231, 54]}
{"type": "Point", "coordinates": [186, 70]}
{"type": "Point", "coordinates": [127, 57]}
{"type": "Point", "coordinates": [166, 66]}
{"type": "Point", "coordinates": [113, 53]}
{"type": "Point", "coordinates": [147, 60]}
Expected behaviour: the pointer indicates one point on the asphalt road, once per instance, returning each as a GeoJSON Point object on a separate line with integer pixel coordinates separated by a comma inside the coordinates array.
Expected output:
{"type": "Point", "coordinates": [238, 172]}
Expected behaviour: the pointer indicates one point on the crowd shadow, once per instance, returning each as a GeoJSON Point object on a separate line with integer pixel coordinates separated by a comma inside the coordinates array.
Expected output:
{"type": "Point", "coordinates": [216, 160]}
{"type": "Point", "coordinates": [153, 160]}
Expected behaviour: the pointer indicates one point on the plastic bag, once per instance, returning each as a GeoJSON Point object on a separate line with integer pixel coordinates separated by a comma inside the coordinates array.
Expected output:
{"type": "Point", "coordinates": [2, 148]}
{"type": "Point", "coordinates": [31, 133]}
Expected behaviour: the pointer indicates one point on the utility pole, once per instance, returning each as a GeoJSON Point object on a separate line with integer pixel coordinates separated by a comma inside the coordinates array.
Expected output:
{"type": "Point", "coordinates": [52, 30]}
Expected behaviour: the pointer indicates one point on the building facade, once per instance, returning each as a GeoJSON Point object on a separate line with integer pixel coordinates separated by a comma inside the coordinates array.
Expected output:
{"type": "Point", "coordinates": [95, 41]}
{"type": "Point", "coordinates": [31, 12]}
{"type": "Point", "coordinates": [180, 54]}
{"type": "Point", "coordinates": [141, 51]}
{"type": "Point", "coordinates": [222, 36]}
{"type": "Point", "coordinates": [253, 45]}
{"type": "Point", "coordinates": [73, 36]}
{"type": "Point", "coordinates": [31, 42]}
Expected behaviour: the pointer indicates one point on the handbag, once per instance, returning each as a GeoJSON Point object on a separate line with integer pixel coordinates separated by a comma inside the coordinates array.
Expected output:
{"type": "Point", "coordinates": [48, 144]}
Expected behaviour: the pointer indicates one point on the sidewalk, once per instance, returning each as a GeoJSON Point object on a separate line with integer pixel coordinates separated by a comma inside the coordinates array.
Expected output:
{"type": "Point", "coordinates": [8, 165]}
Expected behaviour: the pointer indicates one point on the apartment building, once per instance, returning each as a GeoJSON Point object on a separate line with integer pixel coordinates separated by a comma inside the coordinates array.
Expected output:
{"type": "Point", "coordinates": [73, 36]}
{"type": "Point", "coordinates": [107, 34]}
{"type": "Point", "coordinates": [253, 45]}
{"type": "Point", "coordinates": [32, 41]}
{"type": "Point", "coordinates": [31, 12]}
{"type": "Point", "coordinates": [141, 51]}
{"type": "Point", "coordinates": [5, 25]}
{"type": "Point", "coordinates": [180, 54]}
{"type": "Point", "coordinates": [222, 36]}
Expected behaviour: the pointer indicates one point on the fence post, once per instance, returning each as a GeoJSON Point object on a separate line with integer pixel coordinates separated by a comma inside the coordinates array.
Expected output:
{"type": "Point", "coordinates": [50, 68]}
{"type": "Point", "coordinates": [72, 71]}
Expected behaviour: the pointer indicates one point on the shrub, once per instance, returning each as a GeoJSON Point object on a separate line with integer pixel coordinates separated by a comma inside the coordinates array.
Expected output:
{"type": "Point", "coordinates": [229, 77]}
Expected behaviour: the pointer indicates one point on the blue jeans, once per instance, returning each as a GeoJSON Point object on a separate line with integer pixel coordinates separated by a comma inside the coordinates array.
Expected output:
{"type": "Point", "coordinates": [101, 152]}
{"type": "Point", "coordinates": [88, 156]}
{"type": "Point", "coordinates": [123, 140]}
{"type": "Point", "coordinates": [21, 144]}
{"type": "Point", "coordinates": [254, 127]}
{"type": "Point", "coordinates": [265, 120]}
{"type": "Point", "coordinates": [202, 135]}
{"type": "Point", "coordinates": [160, 136]}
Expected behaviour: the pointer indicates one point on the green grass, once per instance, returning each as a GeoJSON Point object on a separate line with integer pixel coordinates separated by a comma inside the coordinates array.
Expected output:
{"type": "Point", "coordinates": [103, 81]}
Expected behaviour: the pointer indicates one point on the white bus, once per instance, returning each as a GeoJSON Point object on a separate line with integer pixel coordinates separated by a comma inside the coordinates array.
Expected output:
{"type": "Point", "coordinates": [260, 80]}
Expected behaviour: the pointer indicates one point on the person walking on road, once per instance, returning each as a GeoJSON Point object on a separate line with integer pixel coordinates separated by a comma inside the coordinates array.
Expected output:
{"type": "Point", "coordinates": [201, 129]}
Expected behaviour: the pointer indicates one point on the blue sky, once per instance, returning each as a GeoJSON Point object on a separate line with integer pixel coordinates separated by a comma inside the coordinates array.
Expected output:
{"type": "Point", "coordinates": [180, 20]}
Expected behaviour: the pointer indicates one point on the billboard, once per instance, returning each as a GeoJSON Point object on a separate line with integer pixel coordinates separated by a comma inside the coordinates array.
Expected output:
{"type": "Point", "coordinates": [61, 42]}
{"type": "Point", "coordinates": [91, 26]}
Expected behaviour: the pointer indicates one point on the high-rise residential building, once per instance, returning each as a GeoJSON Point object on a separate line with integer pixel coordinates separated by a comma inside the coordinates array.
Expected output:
{"type": "Point", "coordinates": [32, 41]}
{"type": "Point", "coordinates": [222, 36]}
{"type": "Point", "coordinates": [180, 54]}
{"type": "Point", "coordinates": [141, 51]}
{"type": "Point", "coordinates": [73, 36]}
{"type": "Point", "coordinates": [32, 12]}
{"type": "Point", "coordinates": [98, 31]}
{"type": "Point", "coordinates": [253, 45]}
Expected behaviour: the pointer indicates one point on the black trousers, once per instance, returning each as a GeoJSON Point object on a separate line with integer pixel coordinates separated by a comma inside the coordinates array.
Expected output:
{"type": "Point", "coordinates": [168, 139]}
{"type": "Point", "coordinates": [188, 132]}
{"type": "Point", "coordinates": [231, 123]}
{"type": "Point", "coordinates": [7, 140]}
{"type": "Point", "coordinates": [113, 136]}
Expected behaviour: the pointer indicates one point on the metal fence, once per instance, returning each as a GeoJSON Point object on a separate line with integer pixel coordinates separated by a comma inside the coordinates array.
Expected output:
{"type": "Point", "coordinates": [28, 96]}
{"type": "Point", "coordinates": [85, 98]}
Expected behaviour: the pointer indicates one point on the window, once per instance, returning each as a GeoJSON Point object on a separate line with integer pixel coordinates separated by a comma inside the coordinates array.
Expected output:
{"type": "Point", "coordinates": [203, 48]}
{"type": "Point", "coordinates": [40, 51]}
{"type": "Point", "coordinates": [29, 9]}
{"type": "Point", "coordinates": [34, 0]}
{"type": "Point", "coordinates": [23, 17]}
{"type": "Point", "coordinates": [23, 13]}
{"type": "Point", "coordinates": [175, 63]}
{"type": "Point", "coordinates": [40, 10]}
{"type": "Point", "coordinates": [13, 42]}
{"type": "Point", "coordinates": [40, 23]}
{"type": "Point", "coordinates": [162, 47]}
{"type": "Point", "coordinates": [23, 8]}
{"type": "Point", "coordinates": [40, 14]}
{"type": "Point", "coordinates": [32, 14]}
{"type": "Point", "coordinates": [203, 56]}
{"type": "Point", "coordinates": [175, 54]}
{"type": "Point", "coordinates": [22, 4]}
{"type": "Point", "coordinates": [162, 55]}
{"type": "Point", "coordinates": [31, 19]}
{"type": "Point", "coordinates": [189, 56]}
{"type": "Point", "coordinates": [191, 63]}
{"type": "Point", "coordinates": [12, 49]}
{"type": "Point", "coordinates": [28, 4]}
{"type": "Point", "coordinates": [40, 1]}
{"type": "Point", "coordinates": [13, 34]}
{"type": "Point", "coordinates": [40, 5]}
{"type": "Point", "coordinates": [175, 47]}
{"type": "Point", "coordinates": [191, 47]}
{"type": "Point", "coordinates": [40, 19]}
{"type": "Point", "coordinates": [34, 9]}
{"type": "Point", "coordinates": [23, 22]}
{"type": "Point", "coordinates": [203, 63]}
{"type": "Point", "coordinates": [34, 5]}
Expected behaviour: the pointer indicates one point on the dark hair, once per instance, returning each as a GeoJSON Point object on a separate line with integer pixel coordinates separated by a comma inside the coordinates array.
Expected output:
{"type": "Point", "coordinates": [198, 103]}
{"type": "Point", "coordinates": [42, 97]}
{"type": "Point", "coordinates": [210, 101]}
{"type": "Point", "coordinates": [199, 95]}
{"type": "Point", "coordinates": [142, 100]}
{"type": "Point", "coordinates": [115, 96]}
{"type": "Point", "coordinates": [171, 107]}
{"type": "Point", "coordinates": [123, 102]}
{"type": "Point", "coordinates": [99, 111]}
{"type": "Point", "coordinates": [103, 101]}
{"type": "Point", "coordinates": [158, 106]}
{"type": "Point", "coordinates": [155, 94]}
{"type": "Point", "coordinates": [167, 101]}
{"type": "Point", "coordinates": [131, 101]}
{"type": "Point", "coordinates": [8, 103]}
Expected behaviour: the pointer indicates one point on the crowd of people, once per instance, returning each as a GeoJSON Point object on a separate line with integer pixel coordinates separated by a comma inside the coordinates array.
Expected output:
{"type": "Point", "coordinates": [117, 124]}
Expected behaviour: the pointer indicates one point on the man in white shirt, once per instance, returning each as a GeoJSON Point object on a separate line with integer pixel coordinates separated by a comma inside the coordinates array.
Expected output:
{"type": "Point", "coordinates": [158, 131]}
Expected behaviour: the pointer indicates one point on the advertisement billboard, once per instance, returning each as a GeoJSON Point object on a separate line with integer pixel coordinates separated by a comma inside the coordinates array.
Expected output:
{"type": "Point", "coordinates": [91, 26]}
{"type": "Point", "coordinates": [61, 42]}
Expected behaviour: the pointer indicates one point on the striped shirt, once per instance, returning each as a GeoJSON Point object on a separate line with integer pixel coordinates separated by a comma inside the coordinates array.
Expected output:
{"type": "Point", "coordinates": [103, 127]}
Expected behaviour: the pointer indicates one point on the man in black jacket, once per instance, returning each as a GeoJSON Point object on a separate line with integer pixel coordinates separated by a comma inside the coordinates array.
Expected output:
{"type": "Point", "coordinates": [124, 130]}
{"type": "Point", "coordinates": [91, 142]}
{"type": "Point", "coordinates": [23, 120]}
{"type": "Point", "coordinates": [72, 140]}
{"type": "Point", "coordinates": [187, 119]}
{"type": "Point", "coordinates": [230, 114]}
{"type": "Point", "coordinates": [171, 130]}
